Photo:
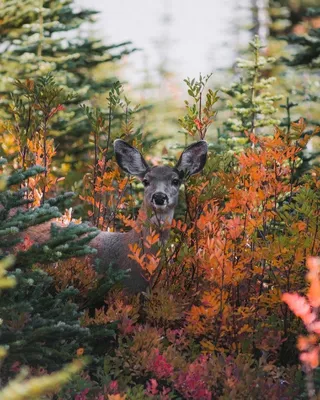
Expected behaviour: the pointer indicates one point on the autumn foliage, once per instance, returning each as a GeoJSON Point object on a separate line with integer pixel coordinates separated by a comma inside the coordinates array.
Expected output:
{"type": "Point", "coordinates": [214, 323]}
{"type": "Point", "coordinates": [308, 310]}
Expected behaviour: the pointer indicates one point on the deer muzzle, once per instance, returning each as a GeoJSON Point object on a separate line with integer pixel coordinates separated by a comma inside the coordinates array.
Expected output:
{"type": "Point", "coordinates": [160, 199]}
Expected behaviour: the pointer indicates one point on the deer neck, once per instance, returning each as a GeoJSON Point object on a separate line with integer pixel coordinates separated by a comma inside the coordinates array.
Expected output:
{"type": "Point", "coordinates": [157, 222]}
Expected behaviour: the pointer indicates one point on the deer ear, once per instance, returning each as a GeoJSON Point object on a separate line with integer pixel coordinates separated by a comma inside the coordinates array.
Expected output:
{"type": "Point", "coordinates": [130, 159]}
{"type": "Point", "coordinates": [193, 159]}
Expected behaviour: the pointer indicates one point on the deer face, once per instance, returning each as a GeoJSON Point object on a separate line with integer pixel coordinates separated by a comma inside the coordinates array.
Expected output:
{"type": "Point", "coordinates": [161, 183]}
{"type": "Point", "coordinates": [161, 188]}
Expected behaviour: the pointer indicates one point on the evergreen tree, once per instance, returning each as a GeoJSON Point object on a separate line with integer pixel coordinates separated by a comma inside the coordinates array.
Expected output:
{"type": "Point", "coordinates": [300, 49]}
{"type": "Point", "coordinates": [252, 103]}
{"type": "Point", "coordinates": [42, 36]}
{"type": "Point", "coordinates": [306, 63]}
{"type": "Point", "coordinates": [22, 388]}
{"type": "Point", "coordinates": [41, 327]}
{"type": "Point", "coordinates": [308, 53]}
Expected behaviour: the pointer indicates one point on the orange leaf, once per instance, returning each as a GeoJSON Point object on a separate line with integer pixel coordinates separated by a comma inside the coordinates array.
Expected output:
{"type": "Point", "coordinates": [300, 307]}
{"type": "Point", "coordinates": [313, 265]}
{"type": "Point", "coordinates": [80, 351]}
{"type": "Point", "coordinates": [311, 357]}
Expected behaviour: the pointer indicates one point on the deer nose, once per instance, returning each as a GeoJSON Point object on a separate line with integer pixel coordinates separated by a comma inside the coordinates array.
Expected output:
{"type": "Point", "coordinates": [159, 198]}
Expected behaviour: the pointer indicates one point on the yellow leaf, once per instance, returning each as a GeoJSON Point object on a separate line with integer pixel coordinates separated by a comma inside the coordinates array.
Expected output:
{"type": "Point", "coordinates": [116, 397]}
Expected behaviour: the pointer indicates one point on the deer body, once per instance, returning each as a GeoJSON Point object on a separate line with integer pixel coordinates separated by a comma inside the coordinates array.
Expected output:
{"type": "Point", "coordinates": [113, 249]}
{"type": "Point", "coordinates": [161, 194]}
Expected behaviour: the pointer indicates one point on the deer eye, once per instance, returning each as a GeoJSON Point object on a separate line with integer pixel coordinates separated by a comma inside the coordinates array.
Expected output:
{"type": "Point", "coordinates": [175, 182]}
{"type": "Point", "coordinates": [145, 182]}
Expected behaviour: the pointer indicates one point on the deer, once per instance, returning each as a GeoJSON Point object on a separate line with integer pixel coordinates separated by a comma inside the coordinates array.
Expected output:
{"type": "Point", "coordinates": [161, 193]}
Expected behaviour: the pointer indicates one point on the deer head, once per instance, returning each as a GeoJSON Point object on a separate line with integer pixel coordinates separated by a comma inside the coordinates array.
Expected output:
{"type": "Point", "coordinates": [161, 183]}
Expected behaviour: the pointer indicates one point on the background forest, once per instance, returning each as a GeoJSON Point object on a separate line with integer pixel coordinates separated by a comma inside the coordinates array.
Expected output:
{"type": "Point", "coordinates": [232, 309]}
